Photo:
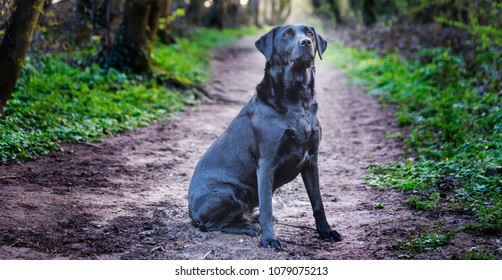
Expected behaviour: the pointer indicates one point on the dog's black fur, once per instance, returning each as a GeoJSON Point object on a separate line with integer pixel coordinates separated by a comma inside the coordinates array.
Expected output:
{"type": "Point", "coordinates": [273, 139]}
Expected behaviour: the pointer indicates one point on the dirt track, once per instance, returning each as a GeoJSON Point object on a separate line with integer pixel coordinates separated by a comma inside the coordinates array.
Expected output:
{"type": "Point", "coordinates": [126, 197]}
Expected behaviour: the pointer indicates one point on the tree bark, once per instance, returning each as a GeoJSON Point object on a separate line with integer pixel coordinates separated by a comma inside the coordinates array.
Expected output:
{"type": "Point", "coordinates": [15, 44]}
{"type": "Point", "coordinates": [136, 36]}
{"type": "Point", "coordinates": [134, 33]}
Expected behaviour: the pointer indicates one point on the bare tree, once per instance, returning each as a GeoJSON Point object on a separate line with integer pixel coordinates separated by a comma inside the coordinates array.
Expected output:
{"type": "Point", "coordinates": [15, 43]}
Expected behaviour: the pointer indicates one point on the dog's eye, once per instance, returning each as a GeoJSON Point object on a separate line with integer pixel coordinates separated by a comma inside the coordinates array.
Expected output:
{"type": "Point", "coordinates": [286, 34]}
{"type": "Point", "coordinates": [310, 34]}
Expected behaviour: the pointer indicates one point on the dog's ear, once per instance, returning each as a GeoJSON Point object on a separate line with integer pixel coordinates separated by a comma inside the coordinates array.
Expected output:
{"type": "Point", "coordinates": [266, 44]}
{"type": "Point", "coordinates": [320, 43]}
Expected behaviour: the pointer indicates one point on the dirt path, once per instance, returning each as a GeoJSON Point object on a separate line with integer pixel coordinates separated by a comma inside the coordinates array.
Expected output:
{"type": "Point", "coordinates": [126, 197]}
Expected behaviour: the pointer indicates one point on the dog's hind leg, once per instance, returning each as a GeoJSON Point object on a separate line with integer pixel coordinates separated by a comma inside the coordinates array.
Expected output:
{"type": "Point", "coordinates": [238, 226]}
{"type": "Point", "coordinates": [221, 211]}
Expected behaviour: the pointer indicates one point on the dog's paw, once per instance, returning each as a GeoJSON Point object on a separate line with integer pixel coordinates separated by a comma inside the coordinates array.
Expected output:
{"type": "Point", "coordinates": [252, 230]}
{"type": "Point", "coordinates": [330, 235]}
{"type": "Point", "coordinates": [271, 243]}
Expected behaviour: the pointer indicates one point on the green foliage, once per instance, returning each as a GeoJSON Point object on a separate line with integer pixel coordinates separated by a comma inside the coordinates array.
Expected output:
{"type": "Point", "coordinates": [478, 17]}
{"type": "Point", "coordinates": [473, 29]}
{"type": "Point", "coordinates": [56, 102]}
{"type": "Point", "coordinates": [475, 255]}
{"type": "Point", "coordinates": [423, 243]}
{"type": "Point", "coordinates": [455, 130]}
{"type": "Point", "coordinates": [429, 204]}
{"type": "Point", "coordinates": [379, 205]}
{"type": "Point", "coordinates": [166, 21]}
{"type": "Point", "coordinates": [489, 215]}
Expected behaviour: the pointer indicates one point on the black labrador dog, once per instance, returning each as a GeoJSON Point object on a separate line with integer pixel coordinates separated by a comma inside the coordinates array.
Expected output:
{"type": "Point", "coordinates": [274, 138]}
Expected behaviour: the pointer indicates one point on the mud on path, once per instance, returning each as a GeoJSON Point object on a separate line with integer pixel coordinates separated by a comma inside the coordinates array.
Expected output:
{"type": "Point", "coordinates": [126, 197]}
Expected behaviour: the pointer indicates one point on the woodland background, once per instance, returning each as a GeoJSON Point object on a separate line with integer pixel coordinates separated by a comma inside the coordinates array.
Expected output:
{"type": "Point", "coordinates": [75, 71]}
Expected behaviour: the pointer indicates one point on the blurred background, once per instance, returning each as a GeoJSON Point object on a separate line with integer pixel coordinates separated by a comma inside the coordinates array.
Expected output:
{"type": "Point", "coordinates": [407, 26]}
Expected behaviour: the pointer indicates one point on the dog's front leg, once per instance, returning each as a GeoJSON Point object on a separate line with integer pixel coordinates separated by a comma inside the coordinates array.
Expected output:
{"type": "Point", "coordinates": [310, 176]}
{"type": "Point", "coordinates": [265, 174]}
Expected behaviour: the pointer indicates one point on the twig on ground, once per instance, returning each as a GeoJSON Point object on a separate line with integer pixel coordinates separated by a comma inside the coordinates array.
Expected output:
{"type": "Point", "coordinates": [89, 144]}
{"type": "Point", "coordinates": [207, 254]}
{"type": "Point", "coordinates": [9, 177]}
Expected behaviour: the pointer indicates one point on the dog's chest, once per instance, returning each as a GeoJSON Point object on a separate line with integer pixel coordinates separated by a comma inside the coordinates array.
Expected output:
{"type": "Point", "coordinates": [304, 124]}
{"type": "Point", "coordinates": [304, 136]}
{"type": "Point", "coordinates": [302, 132]}
{"type": "Point", "coordinates": [298, 143]}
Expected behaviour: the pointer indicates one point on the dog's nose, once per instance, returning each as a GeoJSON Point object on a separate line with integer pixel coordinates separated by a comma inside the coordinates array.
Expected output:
{"type": "Point", "coordinates": [305, 42]}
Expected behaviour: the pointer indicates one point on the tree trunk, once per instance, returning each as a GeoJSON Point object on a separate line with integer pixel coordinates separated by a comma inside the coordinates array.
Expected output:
{"type": "Point", "coordinates": [283, 11]}
{"type": "Point", "coordinates": [15, 43]}
{"type": "Point", "coordinates": [165, 32]}
{"type": "Point", "coordinates": [194, 12]}
{"type": "Point", "coordinates": [83, 28]}
{"type": "Point", "coordinates": [216, 15]}
{"type": "Point", "coordinates": [153, 24]}
{"type": "Point", "coordinates": [255, 10]}
{"type": "Point", "coordinates": [136, 36]}
{"type": "Point", "coordinates": [273, 8]}
{"type": "Point", "coordinates": [369, 12]}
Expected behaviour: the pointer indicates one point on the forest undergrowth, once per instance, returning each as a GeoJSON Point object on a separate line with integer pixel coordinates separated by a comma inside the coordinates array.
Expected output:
{"type": "Point", "coordinates": [452, 130]}
{"type": "Point", "coordinates": [66, 97]}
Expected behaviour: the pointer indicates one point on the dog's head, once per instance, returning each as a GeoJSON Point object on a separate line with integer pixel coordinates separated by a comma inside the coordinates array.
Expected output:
{"type": "Point", "coordinates": [293, 45]}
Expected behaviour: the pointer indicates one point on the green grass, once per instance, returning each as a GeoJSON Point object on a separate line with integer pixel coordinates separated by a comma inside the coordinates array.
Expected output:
{"type": "Point", "coordinates": [421, 244]}
{"type": "Point", "coordinates": [55, 101]}
{"type": "Point", "coordinates": [454, 144]}
{"type": "Point", "coordinates": [475, 255]}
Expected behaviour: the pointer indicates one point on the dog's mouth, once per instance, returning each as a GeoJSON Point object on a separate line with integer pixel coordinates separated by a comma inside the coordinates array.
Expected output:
{"type": "Point", "coordinates": [302, 61]}
{"type": "Point", "coordinates": [302, 57]}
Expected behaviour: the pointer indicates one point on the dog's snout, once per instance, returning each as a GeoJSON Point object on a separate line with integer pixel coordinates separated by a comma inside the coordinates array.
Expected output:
{"type": "Point", "coordinates": [305, 42]}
